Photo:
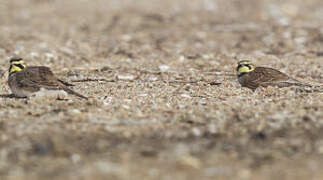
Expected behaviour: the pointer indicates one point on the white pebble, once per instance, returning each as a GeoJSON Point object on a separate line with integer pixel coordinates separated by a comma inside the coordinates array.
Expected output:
{"type": "Point", "coordinates": [300, 40]}
{"type": "Point", "coordinates": [163, 68]}
{"type": "Point", "coordinates": [196, 132]}
{"type": "Point", "coordinates": [151, 79]}
{"type": "Point", "coordinates": [186, 95]}
{"type": "Point", "coordinates": [75, 158]}
{"type": "Point", "coordinates": [142, 95]}
{"type": "Point", "coordinates": [284, 21]}
{"type": "Point", "coordinates": [181, 58]}
{"type": "Point", "coordinates": [126, 77]}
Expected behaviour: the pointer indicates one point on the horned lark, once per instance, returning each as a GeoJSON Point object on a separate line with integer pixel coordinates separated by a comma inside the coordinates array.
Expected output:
{"type": "Point", "coordinates": [252, 77]}
{"type": "Point", "coordinates": [23, 81]}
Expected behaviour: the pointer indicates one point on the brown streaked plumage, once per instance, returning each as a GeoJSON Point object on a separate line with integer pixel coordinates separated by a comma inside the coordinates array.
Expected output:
{"type": "Point", "coordinates": [252, 77]}
{"type": "Point", "coordinates": [23, 81]}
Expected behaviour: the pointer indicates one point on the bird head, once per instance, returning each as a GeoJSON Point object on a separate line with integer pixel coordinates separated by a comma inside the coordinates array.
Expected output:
{"type": "Point", "coordinates": [16, 65]}
{"type": "Point", "coordinates": [244, 66]}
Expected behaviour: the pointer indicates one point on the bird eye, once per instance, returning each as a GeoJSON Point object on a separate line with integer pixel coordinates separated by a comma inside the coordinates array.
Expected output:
{"type": "Point", "coordinates": [20, 66]}
{"type": "Point", "coordinates": [238, 67]}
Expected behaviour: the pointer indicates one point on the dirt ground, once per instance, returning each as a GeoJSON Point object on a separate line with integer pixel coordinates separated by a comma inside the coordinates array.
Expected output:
{"type": "Point", "coordinates": [152, 69]}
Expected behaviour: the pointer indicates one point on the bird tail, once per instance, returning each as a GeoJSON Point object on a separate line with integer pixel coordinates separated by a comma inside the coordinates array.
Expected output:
{"type": "Point", "coordinates": [306, 87]}
{"type": "Point", "coordinates": [70, 91]}
{"type": "Point", "coordinates": [65, 83]}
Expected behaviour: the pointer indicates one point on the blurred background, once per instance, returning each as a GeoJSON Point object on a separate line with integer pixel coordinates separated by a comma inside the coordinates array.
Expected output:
{"type": "Point", "coordinates": [146, 121]}
{"type": "Point", "coordinates": [87, 29]}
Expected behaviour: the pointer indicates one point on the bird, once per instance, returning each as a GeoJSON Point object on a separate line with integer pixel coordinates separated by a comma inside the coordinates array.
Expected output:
{"type": "Point", "coordinates": [25, 80]}
{"type": "Point", "coordinates": [253, 77]}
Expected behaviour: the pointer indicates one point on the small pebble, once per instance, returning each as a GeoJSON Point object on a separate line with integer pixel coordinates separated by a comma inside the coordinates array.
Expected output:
{"type": "Point", "coordinates": [128, 77]}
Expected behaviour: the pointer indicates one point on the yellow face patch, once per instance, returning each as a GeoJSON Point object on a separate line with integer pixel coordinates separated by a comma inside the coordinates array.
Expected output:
{"type": "Point", "coordinates": [16, 66]}
{"type": "Point", "coordinates": [245, 67]}
{"type": "Point", "coordinates": [18, 62]}
{"type": "Point", "coordinates": [244, 62]}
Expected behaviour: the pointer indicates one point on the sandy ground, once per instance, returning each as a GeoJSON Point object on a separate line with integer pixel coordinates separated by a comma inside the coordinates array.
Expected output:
{"type": "Point", "coordinates": [151, 68]}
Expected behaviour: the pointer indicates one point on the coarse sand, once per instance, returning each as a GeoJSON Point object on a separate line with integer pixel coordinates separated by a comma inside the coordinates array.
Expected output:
{"type": "Point", "coordinates": [164, 101]}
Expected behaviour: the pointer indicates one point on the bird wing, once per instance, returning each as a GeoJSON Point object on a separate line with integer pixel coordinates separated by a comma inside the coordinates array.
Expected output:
{"type": "Point", "coordinates": [39, 76]}
{"type": "Point", "coordinates": [268, 76]}
{"type": "Point", "coordinates": [23, 83]}
{"type": "Point", "coordinates": [42, 77]}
